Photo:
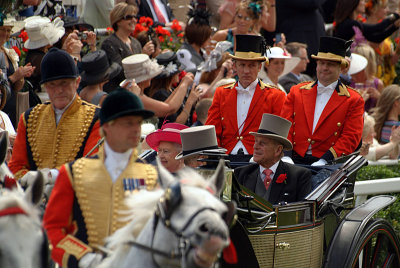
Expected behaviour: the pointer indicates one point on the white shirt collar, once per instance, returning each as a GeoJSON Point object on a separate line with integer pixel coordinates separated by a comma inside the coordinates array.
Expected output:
{"type": "Point", "coordinates": [273, 168]}
{"type": "Point", "coordinates": [115, 162]}
{"type": "Point", "coordinates": [331, 86]}
{"type": "Point", "coordinates": [250, 88]}
{"type": "Point", "coordinates": [59, 112]}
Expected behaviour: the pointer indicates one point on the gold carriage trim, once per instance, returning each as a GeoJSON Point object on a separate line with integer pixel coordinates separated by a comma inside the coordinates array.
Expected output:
{"type": "Point", "coordinates": [53, 145]}
{"type": "Point", "coordinates": [74, 246]}
{"type": "Point", "coordinates": [101, 201]}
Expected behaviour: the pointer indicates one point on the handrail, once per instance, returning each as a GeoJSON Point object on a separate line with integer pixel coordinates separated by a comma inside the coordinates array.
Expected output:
{"type": "Point", "coordinates": [373, 187]}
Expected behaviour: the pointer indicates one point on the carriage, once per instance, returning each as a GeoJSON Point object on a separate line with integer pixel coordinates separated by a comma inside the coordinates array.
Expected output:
{"type": "Point", "coordinates": [324, 230]}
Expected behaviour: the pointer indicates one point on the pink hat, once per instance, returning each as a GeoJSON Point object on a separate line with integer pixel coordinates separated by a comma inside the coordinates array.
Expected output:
{"type": "Point", "coordinates": [168, 132]}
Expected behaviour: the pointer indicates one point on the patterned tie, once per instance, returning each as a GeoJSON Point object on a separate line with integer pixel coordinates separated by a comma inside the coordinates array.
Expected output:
{"type": "Point", "coordinates": [159, 15]}
{"type": "Point", "coordinates": [267, 181]}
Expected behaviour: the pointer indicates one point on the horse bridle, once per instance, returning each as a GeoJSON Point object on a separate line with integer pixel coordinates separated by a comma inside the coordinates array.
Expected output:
{"type": "Point", "coordinates": [161, 215]}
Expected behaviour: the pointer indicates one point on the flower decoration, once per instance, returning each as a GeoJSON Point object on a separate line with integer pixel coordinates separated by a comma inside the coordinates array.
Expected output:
{"type": "Point", "coordinates": [171, 68]}
{"type": "Point", "coordinates": [215, 56]}
{"type": "Point", "coordinates": [23, 35]}
{"type": "Point", "coordinates": [281, 178]}
{"type": "Point", "coordinates": [16, 49]}
{"type": "Point", "coordinates": [109, 30]}
{"type": "Point", "coordinates": [256, 8]}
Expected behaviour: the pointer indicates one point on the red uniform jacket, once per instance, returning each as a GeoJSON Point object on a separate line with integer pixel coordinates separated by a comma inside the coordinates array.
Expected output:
{"type": "Point", "coordinates": [338, 131]}
{"type": "Point", "coordinates": [223, 114]}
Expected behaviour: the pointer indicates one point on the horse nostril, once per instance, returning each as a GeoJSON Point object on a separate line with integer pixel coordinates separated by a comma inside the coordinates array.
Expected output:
{"type": "Point", "coordinates": [204, 228]}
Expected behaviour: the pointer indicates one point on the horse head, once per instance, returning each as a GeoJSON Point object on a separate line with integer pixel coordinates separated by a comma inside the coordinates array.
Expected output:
{"type": "Point", "coordinates": [23, 241]}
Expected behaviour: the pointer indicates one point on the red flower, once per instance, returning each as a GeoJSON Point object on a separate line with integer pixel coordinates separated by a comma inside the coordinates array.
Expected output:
{"type": "Point", "coordinates": [180, 35]}
{"type": "Point", "coordinates": [281, 178]}
{"type": "Point", "coordinates": [176, 26]}
{"type": "Point", "coordinates": [146, 21]}
{"type": "Point", "coordinates": [110, 29]}
{"type": "Point", "coordinates": [17, 50]}
{"type": "Point", "coordinates": [24, 49]}
{"type": "Point", "coordinates": [161, 38]}
{"type": "Point", "coordinates": [23, 35]}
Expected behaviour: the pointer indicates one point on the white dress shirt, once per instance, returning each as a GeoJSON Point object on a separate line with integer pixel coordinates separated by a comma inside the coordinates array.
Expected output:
{"type": "Point", "coordinates": [324, 93]}
{"type": "Point", "coordinates": [115, 162]}
{"type": "Point", "coordinates": [272, 168]}
{"type": "Point", "coordinates": [244, 98]}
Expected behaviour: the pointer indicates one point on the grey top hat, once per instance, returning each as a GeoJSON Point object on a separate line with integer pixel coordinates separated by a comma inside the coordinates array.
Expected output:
{"type": "Point", "coordinates": [140, 67]}
{"type": "Point", "coordinates": [196, 140]}
{"type": "Point", "coordinates": [275, 127]}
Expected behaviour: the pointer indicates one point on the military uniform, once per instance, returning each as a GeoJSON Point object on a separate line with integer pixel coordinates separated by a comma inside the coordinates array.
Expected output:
{"type": "Point", "coordinates": [91, 203]}
{"type": "Point", "coordinates": [339, 128]}
{"type": "Point", "coordinates": [223, 113]}
{"type": "Point", "coordinates": [41, 143]}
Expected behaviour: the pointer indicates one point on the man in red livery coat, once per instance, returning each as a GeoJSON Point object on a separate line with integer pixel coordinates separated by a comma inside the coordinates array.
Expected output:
{"type": "Point", "coordinates": [87, 203]}
{"type": "Point", "coordinates": [326, 115]}
{"type": "Point", "coordinates": [237, 108]}
{"type": "Point", "coordinates": [59, 131]}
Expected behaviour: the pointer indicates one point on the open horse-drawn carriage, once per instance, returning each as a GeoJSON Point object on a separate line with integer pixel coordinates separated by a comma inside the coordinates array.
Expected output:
{"type": "Point", "coordinates": [324, 230]}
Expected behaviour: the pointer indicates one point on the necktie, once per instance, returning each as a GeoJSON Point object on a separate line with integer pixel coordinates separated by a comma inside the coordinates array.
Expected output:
{"type": "Point", "coordinates": [267, 181]}
{"type": "Point", "coordinates": [159, 15]}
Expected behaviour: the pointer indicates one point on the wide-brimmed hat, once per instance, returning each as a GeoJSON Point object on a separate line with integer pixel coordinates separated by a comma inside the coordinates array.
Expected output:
{"type": "Point", "coordinates": [41, 32]}
{"type": "Point", "coordinates": [120, 102]}
{"type": "Point", "coordinates": [333, 49]}
{"type": "Point", "coordinates": [96, 68]}
{"type": "Point", "coordinates": [57, 64]}
{"type": "Point", "coordinates": [250, 47]}
{"type": "Point", "coordinates": [357, 63]}
{"type": "Point", "coordinates": [140, 68]}
{"type": "Point", "coordinates": [169, 132]}
{"type": "Point", "coordinates": [78, 24]}
{"type": "Point", "coordinates": [196, 140]}
{"type": "Point", "coordinates": [170, 62]}
{"type": "Point", "coordinates": [10, 21]}
{"type": "Point", "coordinates": [276, 128]}
{"type": "Point", "coordinates": [279, 53]}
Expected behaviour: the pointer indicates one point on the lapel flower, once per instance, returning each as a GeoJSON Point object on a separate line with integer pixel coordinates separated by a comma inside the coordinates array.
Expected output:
{"type": "Point", "coordinates": [281, 178]}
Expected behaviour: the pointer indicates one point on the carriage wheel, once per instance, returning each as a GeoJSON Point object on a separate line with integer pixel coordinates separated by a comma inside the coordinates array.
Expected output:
{"type": "Point", "coordinates": [378, 246]}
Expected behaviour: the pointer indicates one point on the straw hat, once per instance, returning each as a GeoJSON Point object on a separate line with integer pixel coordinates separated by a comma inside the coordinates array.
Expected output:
{"type": "Point", "coordinates": [140, 68]}
{"type": "Point", "coordinates": [357, 63]}
{"type": "Point", "coordinates": [96, 68]}
{"type": "Point", "coordinates": [333, 49]}
{"type": "Point", "coordinates": [276, 128]}
{"type": "Point", "coordinates": [41, 32]}
{"type": "Point", "coordinates": [169, 132]}
{"type": "Point", "coordinates": [196, 140]}
{"type": "Point", "coordinates": [249, 47]}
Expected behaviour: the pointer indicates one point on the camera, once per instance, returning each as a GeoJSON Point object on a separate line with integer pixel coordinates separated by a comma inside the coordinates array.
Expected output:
{"type": "Point", "coordinates": [82, 36]}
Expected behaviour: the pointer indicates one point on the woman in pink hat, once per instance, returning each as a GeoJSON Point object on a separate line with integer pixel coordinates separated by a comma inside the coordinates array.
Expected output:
{"type": "Point", "coordinates": [167, 142]}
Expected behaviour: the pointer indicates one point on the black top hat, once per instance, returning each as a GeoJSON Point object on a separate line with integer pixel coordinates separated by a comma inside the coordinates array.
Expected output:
{"type": "Point", "coordinates": [96, 68]}
{"type": "Point", "coordinates": [71, 22]}
{"type": "Point", "coordinates": [250, 47]}
{"type": "Point", "coordinates": [121, 102]}
{"type": "Point", "coordinates": [57, 64]}
{"type": "Point", "coordinates": [333, 49]}
{"type": "Point", "coordinates": [170, 62]}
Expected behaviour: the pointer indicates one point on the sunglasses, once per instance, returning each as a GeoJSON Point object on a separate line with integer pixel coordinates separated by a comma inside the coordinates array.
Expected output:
{"type": "Point", "coordinates": [129, 17]}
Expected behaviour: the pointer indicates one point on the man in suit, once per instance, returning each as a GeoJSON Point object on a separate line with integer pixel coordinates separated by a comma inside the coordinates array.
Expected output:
{"type": "Point", "coordinates": [295, 76]}
{"type": "Point", "coordinates": [326, 115]}
{"type": "Point", "coordinates": [271, 178]}
{"type": "Point", "coordinates": [158, 10]}
{"type": "Point", "coordinates": [237, 108]}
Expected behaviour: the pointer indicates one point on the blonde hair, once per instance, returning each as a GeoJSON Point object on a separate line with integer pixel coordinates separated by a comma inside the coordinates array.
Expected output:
{"type": "Point", "coordinates": [369, 123]}
{"type": "Point", "coordinates": [245, 6]}
{"type": "Point", "coordinates": [385, 103]}
{"type": "Point", "coordinates": [119, 11]}
{"type": "Point", "coordinates": [368, 52]}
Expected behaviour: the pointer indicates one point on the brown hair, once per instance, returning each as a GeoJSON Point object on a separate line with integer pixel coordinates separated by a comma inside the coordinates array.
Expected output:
{"type": "Point", "coordinates": [385, 103]}
{"type": "Point", "coordinates": [208, 77]}
{"type": "Point", "coordinates": [294, 47]}
{"type": "Point", "coordinates": [344, 9]}
{"type": "Point", "coordinates": [202, 109]}
{"type": "Point", "coordinates": [159, 84]}
{"type": "Point", "coordinates": [197, 33]}
{"type": "Point", "coordinates": [119, 11]}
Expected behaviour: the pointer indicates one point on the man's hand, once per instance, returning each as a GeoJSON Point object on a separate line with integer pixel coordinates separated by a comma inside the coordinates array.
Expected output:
{"type": "Point", "coordinates": [90, 260]}
{"type": "Point", "coordinates": [321, 162]}
{"type": "Point", "coordinates": [30, 176]}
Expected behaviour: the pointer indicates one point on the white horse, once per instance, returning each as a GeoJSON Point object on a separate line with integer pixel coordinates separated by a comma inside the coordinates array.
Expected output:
{"type": "Point", "coordinates": [22, 240]}
{"type": "Point", "coordinates": [185, 225]}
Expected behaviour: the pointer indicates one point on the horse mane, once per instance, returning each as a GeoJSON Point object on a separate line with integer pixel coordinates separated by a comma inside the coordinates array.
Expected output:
{"type": "Point", "coordinates": [14, 198]}
{"type": "Point", "coordinates": [141, 207]}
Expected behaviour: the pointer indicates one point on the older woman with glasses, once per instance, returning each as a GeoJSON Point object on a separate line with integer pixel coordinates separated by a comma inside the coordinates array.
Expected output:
{"type": "Point", "coordinates": [121, 44]}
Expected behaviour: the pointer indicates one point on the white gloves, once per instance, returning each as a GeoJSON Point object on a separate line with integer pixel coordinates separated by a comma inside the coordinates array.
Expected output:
{"type": "Point", "coordinates": [49, 176]}
{"type": "Point", "coordinates": [287, 159]}
{"type": "Point", "coordinates": [90, 260]}
{"type": "Point", "coordinates": [321, 162]}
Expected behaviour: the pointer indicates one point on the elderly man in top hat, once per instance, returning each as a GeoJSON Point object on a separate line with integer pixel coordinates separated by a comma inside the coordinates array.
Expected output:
{"type": "Point", "coordinates": [167, 142]}
{"type": "Point", "coordinates": [326, 115]}
{"type": "Point", "coordinates": [237, 108]}
{"type": "Point", "coordinates": [197, 143]}
{"type": "Point", "coordinates": [271, 178]}
{"type": "Point", "coordinates": [52, 134]}
{"type": "Point", "coordinates": [87, 202]}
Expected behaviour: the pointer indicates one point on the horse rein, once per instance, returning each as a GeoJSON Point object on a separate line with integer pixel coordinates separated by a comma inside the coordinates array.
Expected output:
{"type": "Point", "coordinates": [12, 211]}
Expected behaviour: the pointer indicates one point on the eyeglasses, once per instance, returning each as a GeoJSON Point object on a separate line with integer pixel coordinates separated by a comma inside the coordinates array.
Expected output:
{"type": "Point", "coordinates": [242, 17]}
{"type": "Point", "coordinates": [129, 17]}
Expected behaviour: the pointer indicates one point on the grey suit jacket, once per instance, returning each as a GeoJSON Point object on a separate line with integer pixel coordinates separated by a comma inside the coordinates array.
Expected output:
{"type": "Point", "coordinates": [289, 80]}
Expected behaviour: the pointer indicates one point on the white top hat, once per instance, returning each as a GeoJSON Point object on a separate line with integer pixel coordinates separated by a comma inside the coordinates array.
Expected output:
{"type": "Point", "coordinates": [357, 63]}
{"type": "Point", "coordinates": [41, 32]}
{"type": "Point", "coordinates": [140, 68]}
{"type": "Point", "coordinates": [279, 53]}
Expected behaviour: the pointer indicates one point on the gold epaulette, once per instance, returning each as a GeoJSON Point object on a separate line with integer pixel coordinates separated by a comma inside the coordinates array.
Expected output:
{"type": "Point", "coordinates": [230, 85]}
{"type": "Point", "coordinates": [343, 91]}
{"type": "Point", "coordinates": [265, 85]}
{"type": "Point", "coordinates": [308, 85]}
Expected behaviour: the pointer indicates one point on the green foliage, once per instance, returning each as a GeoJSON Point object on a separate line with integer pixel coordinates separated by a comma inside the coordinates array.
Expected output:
{"type": "Point", "coordinates": [392, 212]}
